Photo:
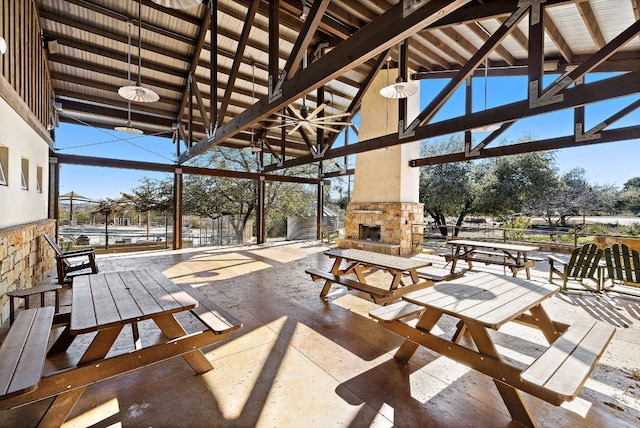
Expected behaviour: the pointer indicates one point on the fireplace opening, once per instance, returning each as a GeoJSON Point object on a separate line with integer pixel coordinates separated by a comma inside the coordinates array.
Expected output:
{"type": "Point", "coordinates": [370, 233]}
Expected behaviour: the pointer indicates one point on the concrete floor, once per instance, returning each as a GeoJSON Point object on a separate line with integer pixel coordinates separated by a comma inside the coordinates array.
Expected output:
{"type": "Point", "coordinates": [301, 362]}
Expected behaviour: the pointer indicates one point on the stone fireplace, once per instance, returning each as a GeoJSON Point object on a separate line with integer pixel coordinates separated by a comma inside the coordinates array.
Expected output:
{"type": "Point", "coordinates": [384, 205]}
{"type": "Point", "coordinates": [381, 227]}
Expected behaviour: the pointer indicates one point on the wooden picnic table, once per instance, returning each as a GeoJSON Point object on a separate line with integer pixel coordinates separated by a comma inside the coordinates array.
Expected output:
{"type": "Point", "coordinates": [514, 256]}
{"type": "Point", "coordinates": [105, 304]}
{"type": "Point", "coordinates": [482, 302]}
{"type": "Point", "coordinates": [403, 273]}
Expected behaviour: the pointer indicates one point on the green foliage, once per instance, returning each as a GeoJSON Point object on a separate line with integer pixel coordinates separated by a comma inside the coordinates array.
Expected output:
{"type": "Point", "coordinates": [515, 227]}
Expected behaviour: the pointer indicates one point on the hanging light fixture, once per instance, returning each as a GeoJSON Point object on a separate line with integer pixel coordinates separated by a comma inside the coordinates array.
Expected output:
{"type": "Point", "coordinates": [128, 129]}
{"type": "Point", "coordinates": [398, 89]}
{"type": "Point", "coordinates": [252, 147]}
{"type": "Point", "coordinates": [3, 46]}
{"type": "Point", "coordinates": [178, 4]}
{"type": "Point", "coordinates": [137, 92]}
{"type": "Point", "coordinates": [494, 126]}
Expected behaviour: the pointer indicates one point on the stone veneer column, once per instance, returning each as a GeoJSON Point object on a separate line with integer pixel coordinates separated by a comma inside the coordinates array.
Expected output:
{"type": "Point", "coordinates": [386, 189]}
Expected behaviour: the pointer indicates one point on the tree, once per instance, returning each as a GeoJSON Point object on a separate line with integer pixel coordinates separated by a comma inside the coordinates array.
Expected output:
{"type": "Point", "coordinates": [447, 189]}
{"type": "Point", "coordinates": [516, 183]}
{"type": "Point", "coordinates": [629, 197]}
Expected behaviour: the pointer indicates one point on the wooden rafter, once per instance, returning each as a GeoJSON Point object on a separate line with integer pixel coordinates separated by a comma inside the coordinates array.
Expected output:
{"type": "Point", "coordinates": [590, 21]}
{"type": "Point", "coordinates": [374, 38]}
{"type": "Point", "coordinates": [242, 43]}
{"type": "Point", "coordinates": [557, 39]}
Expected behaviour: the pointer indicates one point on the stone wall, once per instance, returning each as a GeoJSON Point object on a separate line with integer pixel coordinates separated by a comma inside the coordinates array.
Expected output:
{"type": "Point", "coordinates": [25, 258]}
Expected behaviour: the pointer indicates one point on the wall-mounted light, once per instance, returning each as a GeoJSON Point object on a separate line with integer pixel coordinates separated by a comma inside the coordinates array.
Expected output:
{"type": "Point", "coordinates": [3, 46]}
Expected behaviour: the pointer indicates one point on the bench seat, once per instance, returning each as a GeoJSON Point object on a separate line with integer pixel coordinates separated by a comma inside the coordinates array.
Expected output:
{"type": "Point", "coordinates": [215, 318]}
{"type": "Point", "coordinates": [317, 274]}
{"type": "Point", "coordinates": [565, 366]}
{"type": "Point", "coordinates": [395, 311]}
{"type": "Point", "coordinates": [24, 350]}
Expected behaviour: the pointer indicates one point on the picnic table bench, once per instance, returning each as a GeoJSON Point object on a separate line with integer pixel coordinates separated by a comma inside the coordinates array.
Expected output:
{"type": "Point", "coordinates": [104, 304]}
{"type": "Point", "coordinates": [513, 256]}
{"type": "Point", "coordinates": [483, 302]}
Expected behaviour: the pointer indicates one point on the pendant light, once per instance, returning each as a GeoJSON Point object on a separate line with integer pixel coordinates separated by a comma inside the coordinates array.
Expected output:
{"type": "Point", "coordinates": [137, 92]}
{"type": "Point", "coordinates": [3, 46]}
{"type": "Point", "coordinates": [252, 147]}
{"type": "Point", "coordinates": [494, 126]}
{"type": "Point", "coordinates": [178, 4]}
{"type": "Point", "coordinates": [128, 129]}
{"type": "Point", "coordinates": [398, 89]}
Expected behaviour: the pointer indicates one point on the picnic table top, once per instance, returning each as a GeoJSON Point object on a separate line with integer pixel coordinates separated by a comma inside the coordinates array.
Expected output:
{"type": "Point", "coordinates": [385, 261]}
{"type": "Point", "coordinates": [116, 298]}
{"type": "Point", "coordinates": [495, 245]}
{"type": "Point", "coordinates": [485, 299]}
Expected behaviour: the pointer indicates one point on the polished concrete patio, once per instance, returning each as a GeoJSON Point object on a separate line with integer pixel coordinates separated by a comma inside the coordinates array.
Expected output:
{"type": "Point", "coordinates": [301, 362]}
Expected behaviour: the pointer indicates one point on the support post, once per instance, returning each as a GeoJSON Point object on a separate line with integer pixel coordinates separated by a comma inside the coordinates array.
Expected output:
{"type": "Point", "coordinates": [177, 209]}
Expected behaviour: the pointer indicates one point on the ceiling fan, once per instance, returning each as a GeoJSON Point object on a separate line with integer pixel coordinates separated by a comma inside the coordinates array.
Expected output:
{"type": "Point", "coordinates": [310, 120]}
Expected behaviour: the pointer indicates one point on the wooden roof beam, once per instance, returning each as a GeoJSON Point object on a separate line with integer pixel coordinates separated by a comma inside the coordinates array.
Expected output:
{"type": "Point", "coordinates": [242, 44]}
{"type": "Point", "coordinates": [484, 35]}
{"type": "Point", "coordinates": [205, 23]}
{"type": "Point", "coordinates": [370, 41]}
{"type": "Point", "coordinates": [554, 34]}
{"type": "Point", "coordinates": [434, 106]}
{"type": "Point", "coordinates": [586, 12]}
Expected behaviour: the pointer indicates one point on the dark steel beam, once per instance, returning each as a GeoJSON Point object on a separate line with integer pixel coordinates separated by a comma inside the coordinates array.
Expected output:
{"type": "Point", "coordinates": [170, 168]}
{"type": "Point", "coordinates": [620, 134]}
{"type": "Point", "coordinates": [614, 87]}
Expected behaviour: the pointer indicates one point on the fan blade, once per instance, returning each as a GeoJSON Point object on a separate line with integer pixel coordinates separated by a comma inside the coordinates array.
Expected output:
{"type": "Point", "coordinates": [335, 116]}
{"type": "Point", "coordinates": [295, 128]}
{"type": "Point", "coordinates": [316, 111]}
{"type": "Point", "coordinates": [283, 115]}
{"type": "Point", "coordinates": [332, 123]}
{"type": "Point", "coordinates": [327, 128]}
{"type": "Point", "coordinates": [309, 128]}
{"type": "Point", "coordinates": [297, 113]}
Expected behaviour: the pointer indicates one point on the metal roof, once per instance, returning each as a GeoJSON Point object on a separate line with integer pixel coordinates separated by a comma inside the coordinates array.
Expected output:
{"type": "Point", "coordinates": [350, 41]}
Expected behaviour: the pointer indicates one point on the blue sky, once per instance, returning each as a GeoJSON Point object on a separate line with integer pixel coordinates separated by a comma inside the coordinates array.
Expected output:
{"type": "Point", "coordinates": [608, 163]}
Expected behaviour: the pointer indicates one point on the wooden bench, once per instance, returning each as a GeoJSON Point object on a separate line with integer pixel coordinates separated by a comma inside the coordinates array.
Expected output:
{"type": "Point", "coordinates": [215, 318]}
{"type": "Point", "coordinates": [396, 311]}
{"type": "Point", "coordinates": [26, 293]}
{"type": "Point", "coordinates": [565, 366]}
{"type": "Point", "coordinates": [23, 352]}
{"type": "Point", "coordinates": [331, 278]}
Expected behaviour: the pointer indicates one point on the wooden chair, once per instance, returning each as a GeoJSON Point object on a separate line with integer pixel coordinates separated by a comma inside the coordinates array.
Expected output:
{"type": "Point", "coordinates": [583, 264]}
{"type": "Point", "coordinates": [623, 266]}
{"type": "Point", "coordinates": [73, 263]}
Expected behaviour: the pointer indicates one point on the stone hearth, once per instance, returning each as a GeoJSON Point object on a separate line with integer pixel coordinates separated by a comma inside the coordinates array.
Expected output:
{"type": "Point", "coordinates": [393, 218]}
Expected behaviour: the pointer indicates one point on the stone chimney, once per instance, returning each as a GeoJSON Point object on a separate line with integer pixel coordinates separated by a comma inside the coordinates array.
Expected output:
{"type": "Point", "coordinates": [385, 193]}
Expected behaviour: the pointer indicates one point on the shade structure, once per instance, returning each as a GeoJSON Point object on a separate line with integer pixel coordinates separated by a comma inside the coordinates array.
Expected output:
{"type": "Point", "coordinates": [138, 93]}
{"type": "Point", "coordinates": [178, 4]}
{"type": "Point", "coordinates": [399, 89]}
